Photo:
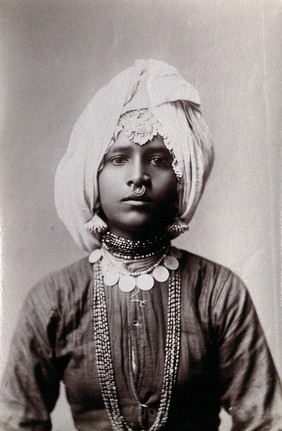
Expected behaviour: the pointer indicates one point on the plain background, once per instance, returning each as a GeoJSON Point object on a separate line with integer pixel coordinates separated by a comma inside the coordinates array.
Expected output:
{"type": "Point", "coordinates": [56, 54]}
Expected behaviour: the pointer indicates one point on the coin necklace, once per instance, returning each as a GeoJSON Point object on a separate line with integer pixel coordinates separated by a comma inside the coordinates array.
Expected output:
{"type": "Point", "coordinates": [114, 272]}
{"type": "Point", "coordinates": [104, 357]}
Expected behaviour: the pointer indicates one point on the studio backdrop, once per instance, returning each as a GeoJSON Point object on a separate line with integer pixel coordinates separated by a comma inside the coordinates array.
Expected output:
{"type": "Point", "coordinates": [55, 54]}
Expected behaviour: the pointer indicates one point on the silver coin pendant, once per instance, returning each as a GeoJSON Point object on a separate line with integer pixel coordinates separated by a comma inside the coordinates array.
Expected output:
{"type": "Point", "coordinates": [95, 256]}
{"type": "Point", "coordinates": [145, 282]}
{"type": "Point", "coordinates": [171, 263]}
{"type": "Point", "coordinates": [160, 273]}
{"type": "Point", "coordinates": [111, 278]}
{"type": "Point", "coordinates": [126, 283]}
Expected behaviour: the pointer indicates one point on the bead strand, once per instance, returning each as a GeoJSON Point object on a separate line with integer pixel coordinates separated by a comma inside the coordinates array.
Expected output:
{"type": "Point", "coordinates": [103, 351]}
{"type": "Point", "coordinates": [130, 256]}
{"type": "Point", "coordinates": [134, 249]}
{"type": "Point", "coordinates": [104, 357]}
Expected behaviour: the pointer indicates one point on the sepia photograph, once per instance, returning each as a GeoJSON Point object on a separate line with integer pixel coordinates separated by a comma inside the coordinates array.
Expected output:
{"type": "Point", "coordinates": [140, 215]}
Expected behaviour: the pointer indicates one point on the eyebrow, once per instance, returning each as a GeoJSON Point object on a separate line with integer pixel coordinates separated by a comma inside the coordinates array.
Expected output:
{"type": "Point", "coordinates": [119, 148]}
{"type": "Point", "coordinates": [149, 147]}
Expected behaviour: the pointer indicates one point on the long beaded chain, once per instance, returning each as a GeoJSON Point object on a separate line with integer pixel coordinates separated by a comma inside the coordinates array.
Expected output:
{"type": "Point", "coordinates": [104, 357]}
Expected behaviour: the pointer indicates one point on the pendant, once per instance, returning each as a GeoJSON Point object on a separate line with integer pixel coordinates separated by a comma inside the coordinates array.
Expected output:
{"type": "Point", "coordinates": [105, 266]}
{"type": "Point", "coordinates": [160, 273]}
{"type": "Point", "coordinates": [145, 282]}
{"type": "Point", "coordinates": [95, 255]}
{"type": "Point", "coordinates": [171, 263]}
{"type": "Point", "coordinates": [111, 278]}
{"type": "Point", "coordinates": [126, 283]}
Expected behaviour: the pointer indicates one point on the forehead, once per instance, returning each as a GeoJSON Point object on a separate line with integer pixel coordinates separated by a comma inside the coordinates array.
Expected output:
{"type": "Point", "coordinates": [123, 142]}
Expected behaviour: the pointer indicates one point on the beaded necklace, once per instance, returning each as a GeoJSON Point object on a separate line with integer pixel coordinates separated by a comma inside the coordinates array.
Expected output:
{"type": "Point", "coordinates": [104, 357]}
{"type": "Point", "coordinates": [134, 249]}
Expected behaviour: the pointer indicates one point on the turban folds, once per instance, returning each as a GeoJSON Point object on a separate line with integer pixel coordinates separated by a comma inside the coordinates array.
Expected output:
{"type": "Point", "coordinates": [174, 102]}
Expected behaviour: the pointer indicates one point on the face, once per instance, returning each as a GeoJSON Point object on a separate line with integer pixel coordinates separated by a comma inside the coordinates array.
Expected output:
{"type": "Point", "coordinates": [128, 165]}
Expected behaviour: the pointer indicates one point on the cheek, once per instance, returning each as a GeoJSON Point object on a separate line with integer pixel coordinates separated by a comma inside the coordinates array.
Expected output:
{"type": "Point", "coordinates": [106, 182]}
{"type": "Point", "coordinates": [108, 192]}
{"type": "Point", "coordinates": [104, 189]}
{"type": "Point", "coordinates": [168, 188]}
{"type": "Point", "coordinates": [110, 179]}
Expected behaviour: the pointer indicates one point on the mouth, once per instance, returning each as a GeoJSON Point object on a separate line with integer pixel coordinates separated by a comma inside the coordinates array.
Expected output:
{"type": "Point", "coordinates": [137, 201]}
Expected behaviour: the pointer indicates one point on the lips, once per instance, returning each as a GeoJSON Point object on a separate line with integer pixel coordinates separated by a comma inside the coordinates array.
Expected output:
{"type": "Point", "coordinates": [131, 198]}
{"type": "Point", "coordinates": [137, 202]}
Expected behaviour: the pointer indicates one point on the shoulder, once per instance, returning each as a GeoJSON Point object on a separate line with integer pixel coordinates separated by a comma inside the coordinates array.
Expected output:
{"type": "Point", "coordinates": [219, 295]}
{"type": "Point", "coordinates": [62, 287]}
{"type": "Point", "coordinates": [210, 280]}
{"type": "Point", "coordinates": [205, 268]}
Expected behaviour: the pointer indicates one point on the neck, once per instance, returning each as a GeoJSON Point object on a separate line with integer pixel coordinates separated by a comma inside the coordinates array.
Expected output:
{"type": "Point", "coordinates": [140, 234]}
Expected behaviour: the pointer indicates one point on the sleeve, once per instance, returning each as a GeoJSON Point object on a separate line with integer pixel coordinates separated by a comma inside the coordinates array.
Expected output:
{"type": "Point", "coordinates": [249, 384]}
{"type": "Point", "coordinates": [30, 386]}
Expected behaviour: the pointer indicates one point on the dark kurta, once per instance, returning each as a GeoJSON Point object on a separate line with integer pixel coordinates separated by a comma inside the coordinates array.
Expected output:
{"type": "Point", "coordinates": [224, 359]}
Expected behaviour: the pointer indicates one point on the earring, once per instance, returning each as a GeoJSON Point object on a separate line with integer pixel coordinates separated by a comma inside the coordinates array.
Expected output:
{"type": "Point", "coordinates": [96, 225]}
{"type": "Point", "coordinates": [177, 228]}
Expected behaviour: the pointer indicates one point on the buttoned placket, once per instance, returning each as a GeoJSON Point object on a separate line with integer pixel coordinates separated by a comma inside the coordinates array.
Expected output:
{"type": "Point", "coordinates": [136, 321]}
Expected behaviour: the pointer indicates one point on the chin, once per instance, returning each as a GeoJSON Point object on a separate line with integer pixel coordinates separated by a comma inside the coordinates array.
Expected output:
{"type": "Point", "coordinates": [137, 224]}
{"type": "Point", "coordinates": [140, 230]}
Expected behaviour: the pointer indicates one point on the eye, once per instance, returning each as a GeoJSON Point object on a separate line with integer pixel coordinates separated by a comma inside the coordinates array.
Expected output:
{"type": "Point", "coordinates": [160, 161]}
{"type": "Point", "coordinates": [118, 160]}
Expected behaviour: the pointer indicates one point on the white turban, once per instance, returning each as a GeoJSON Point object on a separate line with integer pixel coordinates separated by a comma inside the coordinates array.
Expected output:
{"type": "Point", "coordinates": [174, 102]}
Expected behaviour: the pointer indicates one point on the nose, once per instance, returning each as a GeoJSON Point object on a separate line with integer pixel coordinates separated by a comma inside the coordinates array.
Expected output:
{"type": "Point", "coordinates": [137, 175]}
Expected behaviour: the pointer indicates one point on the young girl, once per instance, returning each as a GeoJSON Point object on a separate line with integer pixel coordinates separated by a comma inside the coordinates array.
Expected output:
{"type": "Point", "coordinates": [144, 336]}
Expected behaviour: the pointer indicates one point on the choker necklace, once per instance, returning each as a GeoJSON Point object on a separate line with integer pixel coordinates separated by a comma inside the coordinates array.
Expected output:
{"type": "Point", "coordinates": [104, 357]}
{"type": "Point", "coordinates": [114, 271]}
{"type": "Point", "coordinates": [135, 249]}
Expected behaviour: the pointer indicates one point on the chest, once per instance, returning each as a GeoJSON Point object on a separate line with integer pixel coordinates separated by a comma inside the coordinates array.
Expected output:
{"type": "Point", "coordinates": [137, 328]}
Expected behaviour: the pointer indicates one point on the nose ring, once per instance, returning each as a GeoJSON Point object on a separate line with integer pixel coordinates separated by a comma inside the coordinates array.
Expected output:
{"type": "Point", "coordinates": [138, 191]}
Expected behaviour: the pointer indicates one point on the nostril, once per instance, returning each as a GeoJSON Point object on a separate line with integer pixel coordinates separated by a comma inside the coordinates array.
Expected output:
{"type": "Point", "coordinates": [138, 181]}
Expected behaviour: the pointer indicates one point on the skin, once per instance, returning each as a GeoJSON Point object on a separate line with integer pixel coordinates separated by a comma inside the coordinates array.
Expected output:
{"type": "Point", "coordinates": [126, 164]}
